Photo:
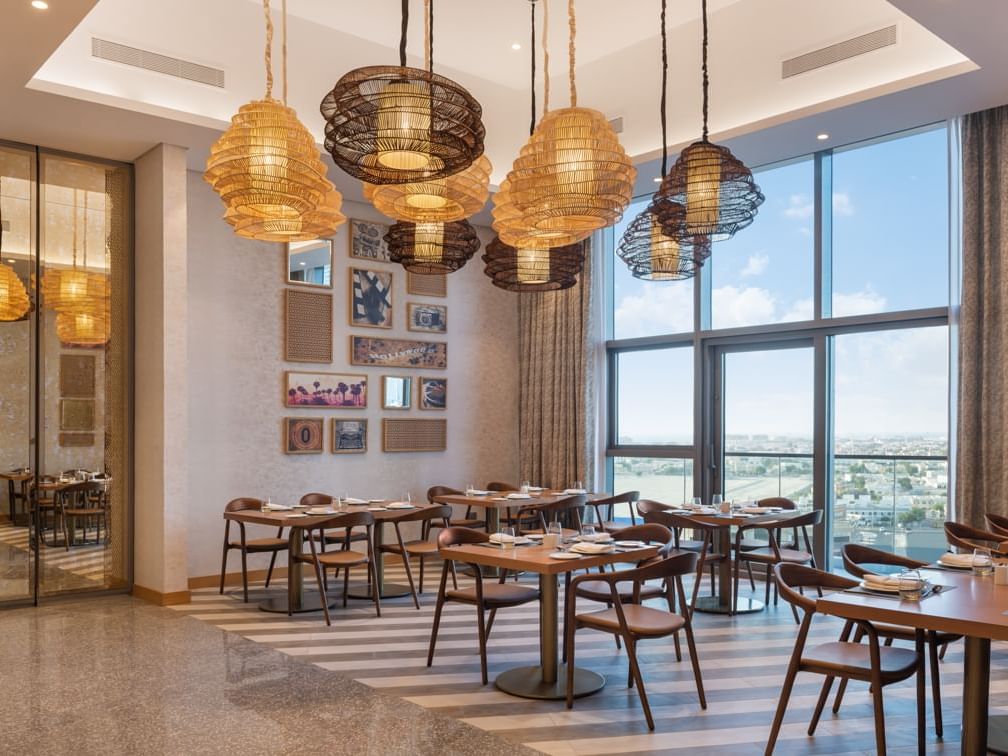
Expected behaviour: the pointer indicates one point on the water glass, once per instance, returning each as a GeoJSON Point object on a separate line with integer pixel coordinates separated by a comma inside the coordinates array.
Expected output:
{"type": "Point", "coordinates": [588, 532]}
{"type": "Point", "coordinates": [470, 489]}
{"type": "Point", "coordinates": [554, 535]}
{"type": "Point", "coordinates": [268, 505]}
{"type": "Point", "coordinates": [578, 485]}
{"type": "Point", "coordinates": [525, 486]}
{"type": "Point", "coordinates": [408, 498]}
{"type": "Point", "coordinates": [716, 500]}
{"type": "Point", "coordinates": [696, 503]}
{"type": "Point", "coordinates": [983, 565]}
{"type": "Point", "coordinates": [911, 585]}
{"type": "Point", "coordinates": [507, 538]}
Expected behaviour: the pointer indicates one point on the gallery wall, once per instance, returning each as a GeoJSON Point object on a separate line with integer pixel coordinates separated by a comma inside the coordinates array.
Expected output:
{"type": "Point", "coordinates": [236, 380]}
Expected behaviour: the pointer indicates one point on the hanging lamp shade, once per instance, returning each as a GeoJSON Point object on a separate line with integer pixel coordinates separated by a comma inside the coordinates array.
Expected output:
{"type": "Point", "coordinates": [533, 268]}
{"type": "Point", "coordinates": [320, 223]}
{"type": "Point", "coordinates": [440, 200]}
{"type": "Point", "coordinates": [84, 328]}
{"type": "Point", "coordinates": [14, 302]}
{"type": "Point", "coordinates": [397, 124]}
{"type": "Point", "coordinates": [74, 290]}
{"type": "Point", "coordinates": [432, 248]}
{"type": "Point", "coordinates": [653, 255]}
{"type": "Point", "coordinates": [515, 229]}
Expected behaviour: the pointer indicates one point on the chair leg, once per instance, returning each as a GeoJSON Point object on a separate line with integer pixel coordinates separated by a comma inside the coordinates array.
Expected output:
{"type": "Point", "coordinates": [769, 580]}
{"type": "Point", "coordinates": [434, 628]}
{"type": "Point", "coordinates": [817, 712]}
{"type": "Point", "coordinates": [841, 689]}
{"type": "Point", "coordinates": [695, 663]}
{"type": "Point", "coordinates": [713, 590]}
{"type": "Point", "coordinates": [752, 582]}
{"type": "Point", "coordinates": [223, 568]}
{"type": "Point", "coordinates": [735, 589]}
{"type": "Point", "coordinates": [490, 621]}
{"type": "Point", "coordinates": [879, 709]}
{"type": "Point", "coordinates": [935, 683]}
{"type": "Point", "coordinates": [373, 580]}
{"type": "Point", "coordinates": [569, 645]}
{"type": "Point", "coordinates": [631, 646]}
{"type": "Point", "coordinates": [244, 575]}
{"type": "Point", "coordinates": [782, 706]}
{"type": "Point", "coordinates": [346, 585]}
{"type": "Point", "coordinates": [454, 574]}
{"type": "Point", "coordinates": [269, 572]}
{"type": "Point", "coordinates": [422, 560]}
{"type": "Point", "coordinates": [944, 648]}
{"type": "Point", "coordinates": [481, 621]}
{"type": "Point", "coordinates": [409, 576]}
{"type": "Point", "coordinates": [921, 737]}
{"type": "Point", "coordinates": [325, 602]}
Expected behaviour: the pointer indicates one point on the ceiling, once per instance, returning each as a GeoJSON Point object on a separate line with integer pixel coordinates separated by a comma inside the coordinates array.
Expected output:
{"type": "Point", "coordinates": [948, 59]}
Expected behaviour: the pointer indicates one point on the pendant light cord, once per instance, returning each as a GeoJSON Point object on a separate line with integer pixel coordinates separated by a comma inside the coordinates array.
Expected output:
{"type": "Point", "coordinates": [75, 231]}
{"type": "Point", "coordinates": [706, 80]}
{"type": "Point", "coordinates": [269, 50]}
{"type": "Point", "coordinates": [85, 229]}
{"type": "Point", "coordinates": [402, 36]}
{"type": "Point", "coordinates": [545, 46]}
{"type": "Point", "coordinates": [283, 50]}
{"type": "Point", "coordinates": [664, 88]}
{"type": "Point", "coordinates": [533, 46]}
{"type": "Point", "coordinates": [570, 52]}
{"type": "Point", "coordinates": [429, 35]}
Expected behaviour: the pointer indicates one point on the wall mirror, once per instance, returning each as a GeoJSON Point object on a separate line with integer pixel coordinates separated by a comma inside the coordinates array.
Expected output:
{"type": "Point", "coordinates": [397, 392]}
{"type": "Point", "coordinates": [309, 263]}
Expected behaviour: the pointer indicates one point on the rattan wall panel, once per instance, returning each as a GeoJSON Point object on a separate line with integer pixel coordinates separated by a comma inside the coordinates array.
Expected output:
{"type": "Point", "coordinates": [427, 286]}
{"type": "Point", "coordinates": [308, 326]}
{"type": "Point", "coordinates": [412, 435]}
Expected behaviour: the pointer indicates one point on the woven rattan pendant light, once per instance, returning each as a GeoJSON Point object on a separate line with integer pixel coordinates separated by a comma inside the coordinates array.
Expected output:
{"type": "Point", "coordinates": [573, 176]}
{"type": "Point", "coordinates": [646, 249]}
{"type": "Point", "coordinates": [14, 302]}
{"type": "Point", "coordinates": [267, 169]}
{"type": "Point", "coordinates": [396, 124]}
{"type": "Point", "coordinates": [432, 248]}
{"type": "Point", "coordinates": [75, 289]}
{"type": "Point", "coordinates": [716, 189]}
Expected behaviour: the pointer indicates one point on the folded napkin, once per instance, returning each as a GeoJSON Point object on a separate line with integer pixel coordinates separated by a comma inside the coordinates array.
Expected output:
{"type": "Point", "coordinates": [883, 581]}
{"type": "Point", "coordinates": [352, 500]}
{"type": "Point", "coordinates": [956, 560]}
{"type": "Point", "coordinates": [518, 496]}
{"type": "Point", "coordinates": [536, 488]}
{"type": "Point", "coordinates": [597, 538]}
{"type": "Point", "coordinates": [503, 538]}
{"type": "Point", "coordinates": [276, 507]}
{"type": "Point", "coordinates": [760, 510]}
{"type": "Point", "coordinates": [477, 492]}
{"type": "Point", "coordinates": [591, 548]}
{"type": "Point", "coordinates": [574, 491]}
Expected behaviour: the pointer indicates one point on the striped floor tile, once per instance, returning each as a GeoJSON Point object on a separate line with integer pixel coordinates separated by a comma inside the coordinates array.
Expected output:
{"type": "Point", "coordinates": [85, 560]}
{"type": "Point", "coordinates": [743, 661]}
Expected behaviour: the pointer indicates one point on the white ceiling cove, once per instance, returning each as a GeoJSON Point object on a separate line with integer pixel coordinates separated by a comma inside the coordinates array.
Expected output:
{"type": "Point", "coordinates": [941, 60]}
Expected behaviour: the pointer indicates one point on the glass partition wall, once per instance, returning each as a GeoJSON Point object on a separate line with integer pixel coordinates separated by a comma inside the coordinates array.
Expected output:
{"type": "Point", "coordinates": [65, 344]}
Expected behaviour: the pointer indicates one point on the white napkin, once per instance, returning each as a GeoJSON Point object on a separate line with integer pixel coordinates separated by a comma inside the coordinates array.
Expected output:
{"type": "Point", "coordinates": [276, 507]}
{"type": "Point", "coordinates": [574, 491]}
{"type": "Point", "coordinates": [518, 496]}
{"type": "Point", "coordinates": [352, 500]}
{"type": "Point", "coordinates": [956, 560]}
{"type": "Point", "coordinates": [760, 510]}
{"type": "Point", "coordinates": [592, 548]}
{"type": "Point", "coordinates": [597, 538]}
{"type": "Point", "coordinates": [536, 488]}
{"type": "Point", "coordinates": [503, 538]}
{"type": "Point", "coordinates": [885, 581]}
{"type": "Point", "coordinates": [477, 492]}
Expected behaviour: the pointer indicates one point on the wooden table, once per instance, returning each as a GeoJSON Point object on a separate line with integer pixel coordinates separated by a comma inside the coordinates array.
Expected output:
{"type": "Point", "coordinates": [976, 609]}
{"type": "Point", "coordinates": [722, 602]}
{"type": "Point", "coordinates": [546, 680]}
{"type": "Point", "coordinates": [295, 571]}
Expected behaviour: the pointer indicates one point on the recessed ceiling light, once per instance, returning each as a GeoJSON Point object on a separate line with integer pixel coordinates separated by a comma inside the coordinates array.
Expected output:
{"type": "Point", "coordinates": [822, 137]}
{"type": "Point", "coordinates": [302, 263]}
{"type": "Point", "coordinates": [516, 45]}
{"type": "Point", "coordinates": [657, 179]}
{"type": "Point", "coordinates": [12, 261]}
{"type": "Point", "coordinates": [40, 5]}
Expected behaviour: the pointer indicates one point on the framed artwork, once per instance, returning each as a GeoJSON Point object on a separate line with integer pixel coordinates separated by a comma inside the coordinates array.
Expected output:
{"type": "Point", "coordinates": [370, 298]}
{"type": "Point", "coordinates": [367, 241]}
{"type": "Point", "coordinates": [428, 286]}
{"type": "Point", "coordinates": [308, 326]}
{"type": "Point", "coordinates": [381, 352]}
{"type": "Point", "coordinates": [349, 436]}
{"type": "Point", "coordinates": [76, 439]}
{"type": "Point", "coordinates": [397, 392]}
{"type": "Point", "coordinates": [77, 375]}
{"type": "Point", "coordinates": [433, 393]}
{"type": "Point", "coordinates": [325, 390]}
{"type": "Point", "coordinates": [77, 414]}
{"type": "Point", "coordinates": [309, 263]}
{"type": "Point", "coordinates": [412, 435]}
{"type": "Point", "coordinates": [303, 435]}
{"type": "Point", "coordinates": [426, 318]}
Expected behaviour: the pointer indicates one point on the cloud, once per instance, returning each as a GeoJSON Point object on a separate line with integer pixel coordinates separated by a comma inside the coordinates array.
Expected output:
{"type": "Point", "coordinates": [741, 306]}
{"type": "Point", "coordinates": [660, 308]}
{"type": "Point", "coordinates": [799, 207]}
{"type": "Point", "coordinates": [756, 265]}
{"type": "Point", "coordinates": [842, 204]}
{"type": "Point", "coordinates": [859, 303]}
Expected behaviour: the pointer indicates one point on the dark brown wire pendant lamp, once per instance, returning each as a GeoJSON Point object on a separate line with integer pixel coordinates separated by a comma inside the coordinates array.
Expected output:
{"type": "Point", "coordinates": [432, 248]}
{"type": "Point", "coordinates": [645, 247]}
{"type": "Point", "coordinates": [396, 124]}
{"type": "Point", "coordinates": [717, 191]}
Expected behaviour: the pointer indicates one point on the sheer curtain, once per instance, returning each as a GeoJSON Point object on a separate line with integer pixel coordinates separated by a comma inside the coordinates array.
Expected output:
{"type": "Point", "coordinates": [982, 437]}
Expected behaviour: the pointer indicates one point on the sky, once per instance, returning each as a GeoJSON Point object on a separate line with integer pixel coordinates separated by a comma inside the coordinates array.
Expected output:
{"type": "Point", "coordinates": [890, 253]}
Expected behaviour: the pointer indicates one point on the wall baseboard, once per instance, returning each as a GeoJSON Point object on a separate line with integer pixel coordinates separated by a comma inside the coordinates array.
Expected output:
{"type": "Point", "coordinates": [161, 599]}
{"type": "Point", "coordinates": [234, 578]}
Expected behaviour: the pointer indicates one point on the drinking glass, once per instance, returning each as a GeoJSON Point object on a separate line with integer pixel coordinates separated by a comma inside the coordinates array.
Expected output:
{"type": "Point", "coordinates": [716, 500]}
{"type": "Point", "coordinates": [911, 585]}
{"type": "Point", "coordinates": [507, 538]}
{"type": "Point", "coordinates": [588, 532]}
{"type": "Point", "coordinates": [336, 503]}
{"type": "Point", "coordinates": [578, 486]}
{"type": "Point", "coordinates": [696, 503]}
{"type": "Point", "coordinates": [554, 535]}
{"type": "Point", "coordinates": [525, 486]}
{"type": "Point", "coordinates": [269, 504]}
{"type": "Point", "coordinates": [408, 498]}
{"type": "Point", "coordinates": [983, 565]}
{"type": "Point", "coordinates": [470, 489]}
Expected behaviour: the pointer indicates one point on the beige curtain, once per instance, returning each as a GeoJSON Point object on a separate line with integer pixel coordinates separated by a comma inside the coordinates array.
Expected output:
{"type": "Point", "coordinates": [557, 425]}
{"type": "Point", "coordinates": [982, 445]}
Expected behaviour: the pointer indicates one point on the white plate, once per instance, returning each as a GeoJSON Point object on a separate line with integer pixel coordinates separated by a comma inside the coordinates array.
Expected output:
{"type": "Point", "coordinates": [877, 588]}
{"type": "Point", "coordinates": [300, 514]}
{"type": "Point", "coordinates": [315, 511]}
{"type": "Point", "coordinates": [564, 555]}
{"type": "Point", "coordinates": [534, 537]}
{"type": "Point", "coordinates": [597, 538]}
{"type": "Point", "coordinates": [609, 550]}
{"type": "Point", "coordinates": [376, 501]}
{"type": "Point", "coordinates": [630, 544]}
{"type": "Point", "coordinates": [400, 505]}
{"type": "Point", "coordinates": [376, 509]}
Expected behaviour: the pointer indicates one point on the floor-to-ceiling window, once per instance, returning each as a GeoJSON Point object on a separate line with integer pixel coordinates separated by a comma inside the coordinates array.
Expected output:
{"type": "Point", "coordinates": [809, 358]}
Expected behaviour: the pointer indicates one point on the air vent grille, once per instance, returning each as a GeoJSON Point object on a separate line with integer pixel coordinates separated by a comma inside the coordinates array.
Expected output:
{"type": "Point", "coordinates": [845, 50]}
{"type": "Point", "coordinates": [617, 124]}
{"type": "Point", "coordinates": [152, 61]}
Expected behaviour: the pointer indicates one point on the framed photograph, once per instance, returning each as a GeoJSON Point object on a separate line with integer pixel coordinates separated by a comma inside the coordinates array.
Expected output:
{"type": "Point", "coordinates": [397, 392]}
{"type": "Point", "coordinates": [426, 318]}
{"type": "Point", "coordinates": [76, 439]}
{"type": "Point", "coordinates": [405, 353]}
{"type": "Point", "coordinates": [433, 393]}
{"type": "Point", "coordinates": [349, 436]}
{"type": "Point", "coordinates": [367, 241]}
{"type": "Point", "coordinates": [370, 298]}
{"type": "Point", "coordinates": [77, 375]}
{"type": "Point", "coordinates": [435, 285]}
{"type": "Point", "coordinates": [309, 263]}
{"type": "Point", "coordinates": [77, 414]}
{"type": "Point", "coordinates": [325, 390]}
{"type": "Point", "coordinates": [303, 435]}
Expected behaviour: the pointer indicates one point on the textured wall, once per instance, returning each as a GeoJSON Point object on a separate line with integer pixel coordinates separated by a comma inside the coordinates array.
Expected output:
{"type": "Point", "coordinates": [15, 430]}
{"type": "Point", "coordinates": [236, 372]}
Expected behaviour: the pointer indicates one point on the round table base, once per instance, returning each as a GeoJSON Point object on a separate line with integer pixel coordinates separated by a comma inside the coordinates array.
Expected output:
{"type": "Point", "coordinates": [712, 605]}
{"type": "Point", "coordinates": [309, 603]}
{"type": "Point", "coordinates": [389, 590]}
{"type": "Point", "coordinates": [527, 682]}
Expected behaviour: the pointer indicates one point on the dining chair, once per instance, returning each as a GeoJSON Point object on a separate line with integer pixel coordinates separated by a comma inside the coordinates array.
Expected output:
{"type": "Point", "coordinates": [856, 560]}
{"type": "Point", "coordinates": [967, 537]}
{"type": "Point", "coordinates": [496, 485]}
{"type": "Point", "coordinates": [774, 553]}
{"type": "Point", "coordinates": [997, 523]}
{"type": "Point", "coordinates": [485, 596]}
{"type": "Point", "coordinates": [340, 560]}
{"type": "Point", "coordinates": [420, 548]}
{"type": "Point", "coordinates": [873, 663]}
{"type": "Point", "coordinates": [340, 536]}
{"type": "Point", "coordinates": [634, 622]}
{"type": "Point", "coordinates": [45, 504]}
{"type": "Point", "coordinates": [605, 510]}
{"type": "Point", "coordinates": [80, 501]}
{"type": "Point", "coordinates": [706, 548]}
{"type": "Point", "coordinates": [246, 546]}
{"type": "Point", "coordinates": [466, 521]}
{"type": "Point", "coordinates": [533, 518]}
